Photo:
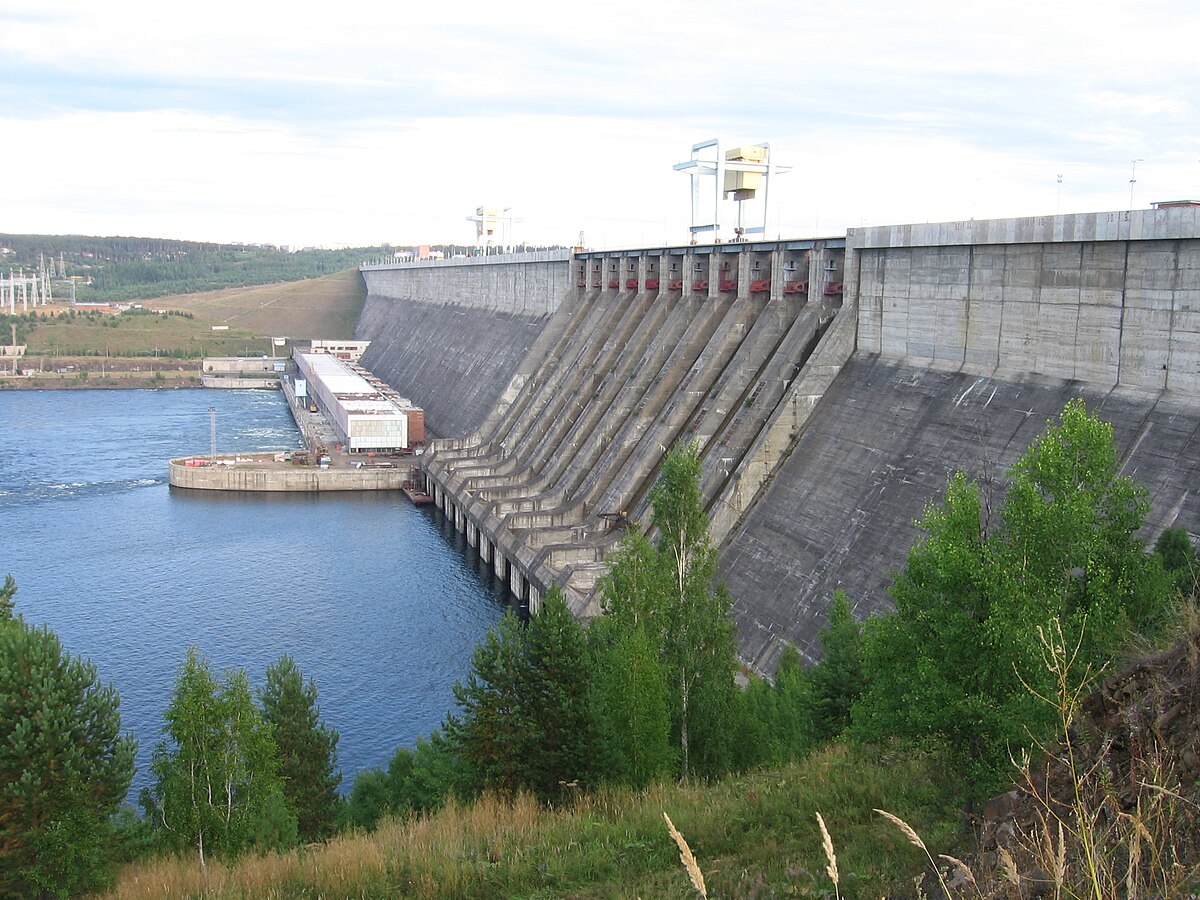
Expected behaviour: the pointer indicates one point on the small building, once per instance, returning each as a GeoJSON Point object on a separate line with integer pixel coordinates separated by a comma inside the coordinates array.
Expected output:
{"type": "Point", "coordinates": [366, 413]}
{"type": "Point", "coordinates": [349, 350]}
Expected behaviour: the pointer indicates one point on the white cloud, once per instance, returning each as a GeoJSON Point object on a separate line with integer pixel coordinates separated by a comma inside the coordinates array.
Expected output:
{"type": "Point", "coordinates": [370, 122]}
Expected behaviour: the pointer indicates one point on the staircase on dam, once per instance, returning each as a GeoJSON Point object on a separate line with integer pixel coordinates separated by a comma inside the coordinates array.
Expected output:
{"type": "Point", "coordinates": [627, 367]}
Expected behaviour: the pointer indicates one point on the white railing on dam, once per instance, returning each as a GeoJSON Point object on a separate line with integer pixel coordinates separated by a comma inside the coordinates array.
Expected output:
{"type": "Point", "coordinates": [532, 256]}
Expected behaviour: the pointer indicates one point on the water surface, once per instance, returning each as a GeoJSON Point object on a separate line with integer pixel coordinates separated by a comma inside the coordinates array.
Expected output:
{"type": "Point", "coordinates": [377, 600]}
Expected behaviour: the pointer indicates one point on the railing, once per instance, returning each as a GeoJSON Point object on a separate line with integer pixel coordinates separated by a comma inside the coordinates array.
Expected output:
{"type": "Point", "coordinates": [532, 256]}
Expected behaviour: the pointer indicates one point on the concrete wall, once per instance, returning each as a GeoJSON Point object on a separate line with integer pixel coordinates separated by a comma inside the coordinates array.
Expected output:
{"type": "Point", "coordinates": [626, 370]}
{"type": "Point", "coordinates": [453, 334]}
{"type": "Point", "coordinates": [1108, 298]}
{"type": "Point", "coordinates": [276, 478]}
{"type": "Point", "coordinates": [527, 284]}
{"type": "Point", "coordinates": [840, 512]}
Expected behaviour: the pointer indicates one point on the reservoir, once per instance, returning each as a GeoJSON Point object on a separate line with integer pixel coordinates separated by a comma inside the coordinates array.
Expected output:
{"type": "Point", "coordinates": [378, 601]}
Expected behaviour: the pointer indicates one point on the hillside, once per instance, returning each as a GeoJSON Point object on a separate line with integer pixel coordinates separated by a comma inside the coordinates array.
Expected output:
{"type": "Point", "coordinates": [126, 268]}
{"type": "Point", "coordinates": [1108, 812]}
{"type": "Point", "coordinates": [326, 307]}
{"type": "Point", "coordinates": [752, 835]}
{"type": "Point", "coordinates": [314, 308]}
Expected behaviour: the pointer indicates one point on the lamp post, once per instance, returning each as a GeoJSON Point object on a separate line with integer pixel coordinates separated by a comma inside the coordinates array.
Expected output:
{"type": "Point", "coordinates": [1133, 180]}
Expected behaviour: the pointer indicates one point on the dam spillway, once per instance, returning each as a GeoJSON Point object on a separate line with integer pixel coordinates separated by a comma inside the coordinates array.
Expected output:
{"type": "Point", "coordinates": [832, 385]}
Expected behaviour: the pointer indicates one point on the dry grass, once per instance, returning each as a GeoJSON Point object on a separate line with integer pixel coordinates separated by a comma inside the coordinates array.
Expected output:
{"type": "Point", "coordinates": [326, 307]}
{"type": "Point", "coordinates": [749, 831]}
{"type": "Point", "coordinates": [686, 857]}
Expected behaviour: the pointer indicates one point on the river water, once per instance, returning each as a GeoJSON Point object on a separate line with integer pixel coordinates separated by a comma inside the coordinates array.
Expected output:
{"type": "Point", "coordinates": [380, 602]}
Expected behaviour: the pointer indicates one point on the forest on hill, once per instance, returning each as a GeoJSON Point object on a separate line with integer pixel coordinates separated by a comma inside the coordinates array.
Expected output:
{"type": "Point", "coordinates": [129, 268]}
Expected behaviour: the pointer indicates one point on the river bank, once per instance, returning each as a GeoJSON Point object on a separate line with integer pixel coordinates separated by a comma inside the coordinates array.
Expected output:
{"type": "Point", "coordinates": [91, 372]}
{"type": "Point", "coordinates": [50, 382]}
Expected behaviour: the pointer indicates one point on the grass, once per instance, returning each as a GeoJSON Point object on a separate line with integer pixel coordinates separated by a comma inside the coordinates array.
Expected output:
{"type": "Point", "coordinates": [124, 336]}
{"type": "Point", "coordinates": [756, 832]}
{"type": "Point", "coordinates": [326, 307]}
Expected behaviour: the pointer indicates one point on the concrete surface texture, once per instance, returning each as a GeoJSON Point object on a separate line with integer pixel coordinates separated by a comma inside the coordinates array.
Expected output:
{"type": "Point", "coordinates": [623, 374]}
{"type": "Point", "coordinates": [841, 510]}
{"type": "Point", "coordinates": [1067, 296]}
{"type": "Point", "coordinates": [963, 339]}
{"type": "Point", "coordinates": [266, 476]}
{"type": "Point", "coordinates": [454, 361]}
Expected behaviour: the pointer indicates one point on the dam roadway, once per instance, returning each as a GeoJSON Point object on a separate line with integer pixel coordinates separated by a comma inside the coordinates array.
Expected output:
{"type": "Point", "coordinates": [832, 385]}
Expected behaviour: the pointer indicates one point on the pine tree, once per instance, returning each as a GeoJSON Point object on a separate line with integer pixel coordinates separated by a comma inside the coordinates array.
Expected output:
{"type": "Point", "coordinates": [64, 765]}
{"type": "Point", "coordinates": [494, 733]}
{"type": "Point", "coordinates": [307, 749]}
{"type": "Point", "coordinates": [558, 699]}
{"type": "Point", "coordinates": [217, 769]}
{"type": "Point", "coordinates": [7, 592]}
{"type": "Point", "coordinates": [837, 680]}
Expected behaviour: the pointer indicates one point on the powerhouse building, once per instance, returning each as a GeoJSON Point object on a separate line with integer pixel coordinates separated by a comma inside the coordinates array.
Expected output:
{"type": "Point", "coordinates": [366, 413]}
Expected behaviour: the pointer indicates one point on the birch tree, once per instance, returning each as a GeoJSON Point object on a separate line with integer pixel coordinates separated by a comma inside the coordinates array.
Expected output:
{"type": "Point", "coordinates": [216, 769]}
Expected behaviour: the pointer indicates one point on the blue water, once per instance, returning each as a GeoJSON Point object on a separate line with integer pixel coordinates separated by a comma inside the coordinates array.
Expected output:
{"type": "Point", "coordinates": [380, 602]}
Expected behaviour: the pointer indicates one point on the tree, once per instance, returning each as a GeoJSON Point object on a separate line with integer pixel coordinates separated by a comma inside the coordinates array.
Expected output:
{"type": "Point", "coordinates": [7, 592]}
{"type": "Point", "coordinates": [959, 659]}
{"type": "Point", "coordinates": [837, 680]}
{"type": "Point", "coordinates": [64, 765]}
{"type": "Point", "coordinates": [558, 700]}
{"type": "Point", "coordinates": [634, 721]}
{"type": "Point", "coordinates": [1070, 534]}
{"type": "Point", "coordinates": [494, 732]}
{"type": "Point", "coordinates": [217, 771]}
{"type": "Point", "coordinates": [668, 589]}
{"type": "Point", "coordinates": [307, 749]}
{"type": "Point", "coordinates": [949, 661]}
{"type": "Point", "coordinates": [527, 720]}
{"type": "Point", "coordinates": [1178, 555]}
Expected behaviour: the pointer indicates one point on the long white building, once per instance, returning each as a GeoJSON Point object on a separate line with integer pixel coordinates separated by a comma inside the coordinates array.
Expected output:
{"type": "Point", "coordinates": [367, 415]}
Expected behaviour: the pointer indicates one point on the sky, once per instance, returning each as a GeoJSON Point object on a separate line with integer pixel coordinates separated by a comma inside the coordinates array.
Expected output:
{"type": "Point", "coordinates": [360, 123]}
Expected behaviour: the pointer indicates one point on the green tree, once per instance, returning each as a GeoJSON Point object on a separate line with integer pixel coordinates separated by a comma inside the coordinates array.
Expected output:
{"type": "Point", "coordinates": [668, 589]}
{"type": "Point", "coordinates": [558, 698]}
{"type": "Point", "coordinates": [782, 711]}
{"type": "Point", "coordinates": [307, 749]}
{"type": "Point", "coordinates": [64, 765]}
{"type": "Point", "coordinates": [433, 772]}
{"type": "Point", "coordinates": [631, 702]}
{"type": "Point", "coordinates": [1070, 534]}
{"type": "Point", "coordinates": [837, 680]}
{"type": "Point", "coordinates": [959, 658]}
{"type": "Point", "coordinates": [494, 732]}
{"type": "Point", "coordinates": [369, 799]}
{"type": "Point", "coordinates": [7, 592]}
{"type": "Point", "coordinates": [948, 662]}
{"type": "Point", "coordinates": [217, 769]}
{"type": "Point", "coordinates": [1178, 556]}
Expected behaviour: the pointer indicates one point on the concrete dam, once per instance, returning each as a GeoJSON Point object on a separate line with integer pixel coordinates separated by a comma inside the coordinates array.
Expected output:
{"type": "Point", "coordinates": [831, 384]}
